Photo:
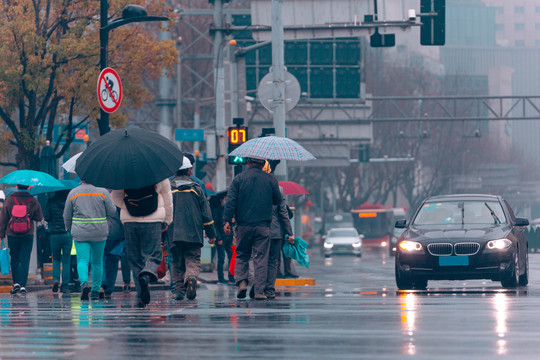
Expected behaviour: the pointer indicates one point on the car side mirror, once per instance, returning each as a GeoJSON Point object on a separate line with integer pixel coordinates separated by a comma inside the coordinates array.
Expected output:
{"type": "Point", "coordinates": [401, 224]}
{"type": "Point", "coordinates": [522, 222]}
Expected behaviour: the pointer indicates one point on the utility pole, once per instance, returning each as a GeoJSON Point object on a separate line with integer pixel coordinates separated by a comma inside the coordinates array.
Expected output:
{"type": "Point", "coordinates": [165, 120]}
{"type": "Point", "coordinates": [219, 80]}
{"type": "Point", "coordinates": [278, 77]}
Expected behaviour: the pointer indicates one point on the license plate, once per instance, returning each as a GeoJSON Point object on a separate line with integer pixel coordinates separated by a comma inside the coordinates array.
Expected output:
{"type": "Point", "coordinates": [453, 261]}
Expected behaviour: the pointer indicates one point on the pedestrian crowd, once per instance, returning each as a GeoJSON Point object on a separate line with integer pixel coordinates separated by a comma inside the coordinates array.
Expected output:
{"type": "Point", "coordinates": [134, 226]}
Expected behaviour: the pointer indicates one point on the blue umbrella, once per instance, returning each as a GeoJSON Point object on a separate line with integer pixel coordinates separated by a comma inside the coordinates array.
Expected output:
{"type": "Point", "coordinates": [36, 190]}
{"type": "Point", "coordinates": [31, 178]}
{"type": "Point", "coordinates": [273, 148]}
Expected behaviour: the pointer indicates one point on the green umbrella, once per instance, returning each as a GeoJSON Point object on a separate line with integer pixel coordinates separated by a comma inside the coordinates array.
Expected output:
{"type": "Point", "coordinates": [31, 178]}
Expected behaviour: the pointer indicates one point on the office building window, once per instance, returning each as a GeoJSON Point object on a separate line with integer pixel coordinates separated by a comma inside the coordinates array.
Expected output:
{"type": "Point", "coordinates": [499, 27]}
{"type": "Point", "coordinates": [537, 26]}
{"type": "Point", "coordinates": [519, 9]}
{"type": "Point", "coordinates": [499, 10]}
{"type": "Point", "coordinates": [537, 9]}
{"type": "Point", "coordinates": [519, 26]}
{"type": "Point", "coordinates": [520, 43]}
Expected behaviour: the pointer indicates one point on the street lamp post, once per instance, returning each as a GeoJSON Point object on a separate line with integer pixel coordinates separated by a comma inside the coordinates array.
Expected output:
{"type": "Point", "coordinates": [130, 14]}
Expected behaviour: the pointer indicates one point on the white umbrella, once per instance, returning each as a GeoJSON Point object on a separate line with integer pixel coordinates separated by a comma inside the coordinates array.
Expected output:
{"type": "Point", "coordinates": [69, 165]}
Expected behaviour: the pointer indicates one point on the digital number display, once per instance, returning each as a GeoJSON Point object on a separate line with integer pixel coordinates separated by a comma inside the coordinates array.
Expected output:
{"type": "Point", "coordinates": [237, 135]}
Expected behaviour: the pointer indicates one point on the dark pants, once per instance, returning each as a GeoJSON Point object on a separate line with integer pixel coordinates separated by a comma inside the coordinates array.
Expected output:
{"type": "Point", "coordinates": [61, 256]}
{"type": "Point", "coordinates": [256, 240]}
{"type": "Point", "coordinates": [186, 263]}
{"type": "Point", "coordinates": [20, 249]}
{"type": "Point", "coordinates": [223, 249]}
{"type": "Point", "coordinates": [273, 262]}
{"type": "Point", "coordinates": [110, 273]}
{"type": "Point", "coordinates": [289, 270]}
{"type": "Point", "coordinates": [143, 243]}
{"type": "Point", "coordinates": [126, 270]}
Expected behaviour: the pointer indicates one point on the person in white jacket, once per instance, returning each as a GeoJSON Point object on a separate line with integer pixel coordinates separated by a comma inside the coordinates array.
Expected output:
{"type": "Point", "coordinates": [143, 235]}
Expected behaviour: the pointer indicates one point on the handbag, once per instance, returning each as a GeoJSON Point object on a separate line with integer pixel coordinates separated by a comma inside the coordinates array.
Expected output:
{"type": "Point", "coordinates": [5, 262]}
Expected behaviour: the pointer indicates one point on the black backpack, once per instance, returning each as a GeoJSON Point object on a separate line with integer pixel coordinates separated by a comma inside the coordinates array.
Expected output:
{"type": "Point", "coordinates": [141, 202]}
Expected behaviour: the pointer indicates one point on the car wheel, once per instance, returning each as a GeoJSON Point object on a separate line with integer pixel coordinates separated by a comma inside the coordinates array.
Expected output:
{"type": "Point", "coordinates": [401, 282]}
{"type": "Point", "coordinates": [326, 255]}
{"type": "Point", "coordinates": [420, 284]}
{"type": "Point", "coordinates": [524, 279]}
{"type": "Point", "coordinates": [358, 255]}
{"type": "Point", "coordinates": [512, 281]}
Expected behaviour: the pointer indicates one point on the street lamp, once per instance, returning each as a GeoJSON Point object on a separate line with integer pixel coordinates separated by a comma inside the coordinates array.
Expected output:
{"type": "Point", "coordinates": [130, 14]}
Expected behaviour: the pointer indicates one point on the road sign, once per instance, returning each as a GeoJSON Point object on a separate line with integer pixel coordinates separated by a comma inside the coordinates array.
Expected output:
{"type": "Point", "coordinates": [109, 90]}
{"type": "Point", "coordinates": [189, 134]}
{"type": "Point", "coordinates": [265, 91]}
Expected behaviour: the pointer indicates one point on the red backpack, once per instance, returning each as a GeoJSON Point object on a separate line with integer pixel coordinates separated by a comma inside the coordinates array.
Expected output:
{"type": "Point", "coordinates": [20, 220]}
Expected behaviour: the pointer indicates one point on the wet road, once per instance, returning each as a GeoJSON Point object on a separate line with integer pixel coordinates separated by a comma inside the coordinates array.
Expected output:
{"type": "Point", "coordinates": [354, 312]}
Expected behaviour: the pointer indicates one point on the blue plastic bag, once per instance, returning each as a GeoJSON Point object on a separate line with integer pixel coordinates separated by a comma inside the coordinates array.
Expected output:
{"type": "Point", "coordinates": [4, 260]}
{"type": "Point", "coordinates": [297, 251]}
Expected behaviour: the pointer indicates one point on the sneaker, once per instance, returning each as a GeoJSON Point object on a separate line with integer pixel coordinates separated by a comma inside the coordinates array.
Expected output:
{"type": "Point", "coordinates": [55, 287]}
{"type": "Point", "coordinates": [107, 296]}
{"type": "Point", "coordinates": [270, 294]}
{"type": "Point", "coordinates": [252, 292]}
{"type": "Point", "coordinates": [95, 295]}
{"type": "Point", "coordinates": [242, 289]}
{"type": "Point", "coordinates": [85, 291]}
{"type": "Point", "coordinates": [16, 289]}
{"type": "Point", "coordinates": [127, 287]}
{"type": "Point", "coordinates": [145, 291]}
{"type": "Point", "coordinates": [101, 294]}
{"type": "Point", "coordinates": [179, 296]}
{"type": "Point", "coordinates": [23, 290]}
{"type": "Point", "coordinates": [260, 297]}
{"type": "Point", "coordinates": [191, 286]}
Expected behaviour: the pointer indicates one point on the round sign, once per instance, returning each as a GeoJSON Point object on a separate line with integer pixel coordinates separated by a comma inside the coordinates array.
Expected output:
{"type": "Point", "coordinates": [265, 91]}
{"type": "Point", "coordinates": [109, 90]}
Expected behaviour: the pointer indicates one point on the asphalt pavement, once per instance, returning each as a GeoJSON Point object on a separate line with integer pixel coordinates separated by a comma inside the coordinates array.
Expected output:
{"type": "Point", "coordinates": [353, 312]}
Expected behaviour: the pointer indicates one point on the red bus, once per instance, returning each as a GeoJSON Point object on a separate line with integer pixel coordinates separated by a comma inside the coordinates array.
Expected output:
{"type": "Point", "coordinates": [375, 222]}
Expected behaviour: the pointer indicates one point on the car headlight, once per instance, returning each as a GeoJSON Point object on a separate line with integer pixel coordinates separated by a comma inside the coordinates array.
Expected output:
{"type": "Point", "coordinates": [410, 246]}
{"type": "Point", "coordinates": [328, 245]}
{"type": "Point", "coordinates": [357, 244]}
{"type": "Point", "coordinates": [499, 244]}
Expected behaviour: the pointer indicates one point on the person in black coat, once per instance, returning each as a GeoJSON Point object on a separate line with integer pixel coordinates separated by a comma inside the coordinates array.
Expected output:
{"type": "Point", "coordinates": [61, 240]}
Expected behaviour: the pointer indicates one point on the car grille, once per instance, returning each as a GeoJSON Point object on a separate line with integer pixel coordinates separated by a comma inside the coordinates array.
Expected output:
{"type": "Point", "coordinates": [440, 249]}
{"type": "Point", "coordinates": [446, 249]}
{"type": "Point", "coordinates": [468, 248]}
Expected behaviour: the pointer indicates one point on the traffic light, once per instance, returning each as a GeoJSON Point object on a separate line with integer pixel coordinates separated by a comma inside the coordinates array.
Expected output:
{"type": "Point", "coordinates": [363, 155]}
{"type": "Point", "coordinates": [237, 135]}
{"type": "Point", "coordinates": [432, 29]}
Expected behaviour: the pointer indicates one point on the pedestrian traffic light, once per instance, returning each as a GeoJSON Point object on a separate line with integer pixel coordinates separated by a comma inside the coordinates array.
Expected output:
{"type": "Point", "coordinates": [237, 135]}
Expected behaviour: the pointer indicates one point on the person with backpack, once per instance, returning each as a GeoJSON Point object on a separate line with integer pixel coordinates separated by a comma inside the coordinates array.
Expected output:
{"type": "Point", "coordinates": [145, 213]}
{"type": "Point", "coordinates": [192, 215]}
{"type": "Point", "coordinates": [85, 215]}
{"type": "Point", "coordinates": [17, 218]}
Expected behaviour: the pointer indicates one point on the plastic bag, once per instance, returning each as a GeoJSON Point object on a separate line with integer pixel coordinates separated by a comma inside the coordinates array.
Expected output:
{"type": "Point", "coordinates": [233, 260]}
{"type": "Point", "coordinates": [5, 261]}
{"type": "Point", "coordinates": [297, 251]}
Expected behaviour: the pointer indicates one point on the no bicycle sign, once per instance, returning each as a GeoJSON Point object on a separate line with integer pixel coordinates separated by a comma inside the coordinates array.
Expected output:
{"type": "Point", "coordinates": [109, 90]}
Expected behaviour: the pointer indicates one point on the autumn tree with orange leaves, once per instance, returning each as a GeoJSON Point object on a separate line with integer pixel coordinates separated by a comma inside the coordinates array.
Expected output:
{"type": "Point", "coordinates": [49, 61]}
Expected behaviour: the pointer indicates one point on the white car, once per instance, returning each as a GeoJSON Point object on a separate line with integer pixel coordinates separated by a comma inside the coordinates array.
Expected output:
{"type": "Point", "coordinates": [342, 241]}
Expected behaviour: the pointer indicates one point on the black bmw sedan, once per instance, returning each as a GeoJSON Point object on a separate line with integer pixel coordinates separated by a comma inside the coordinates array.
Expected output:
{"type": "Point", "coordinates": [457, 237]}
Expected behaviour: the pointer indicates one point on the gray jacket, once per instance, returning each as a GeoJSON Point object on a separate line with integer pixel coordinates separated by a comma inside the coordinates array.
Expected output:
{"type": "Point", "coordinates": [86, 211]}
{"type": "Point", "coordinates": [281, 224]}
{"type": "Point", "coordinates": [191, 212]}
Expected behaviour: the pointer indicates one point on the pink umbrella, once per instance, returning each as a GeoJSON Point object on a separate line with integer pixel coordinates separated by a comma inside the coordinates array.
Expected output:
{"type": "Point", "coordinates": [292, 188]}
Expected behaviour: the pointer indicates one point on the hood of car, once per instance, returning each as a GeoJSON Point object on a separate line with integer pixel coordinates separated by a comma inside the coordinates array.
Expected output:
{"type": "Point", "coordinates": [342, 240]}
{"type": "Point", "coordinates": [456, 233]}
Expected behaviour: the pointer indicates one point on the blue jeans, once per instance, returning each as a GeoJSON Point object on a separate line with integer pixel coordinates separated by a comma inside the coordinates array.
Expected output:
{"type": "Point", "coordinates": [20, 248]}
{"type": "Point", "coordinates": [85, 251]}
{"type": "Point", "coordinates": [61, 255]}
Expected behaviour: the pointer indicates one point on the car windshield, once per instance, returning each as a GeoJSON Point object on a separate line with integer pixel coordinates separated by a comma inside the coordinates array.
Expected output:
{"type": "Point", "coordinates": [342, 233]}
{"type": "Point", "coordinates": [460, 212]}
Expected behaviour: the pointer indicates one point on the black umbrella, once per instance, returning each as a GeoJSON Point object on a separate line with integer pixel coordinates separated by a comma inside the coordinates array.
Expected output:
{"type": "Point", "coordinates": [129, 159]}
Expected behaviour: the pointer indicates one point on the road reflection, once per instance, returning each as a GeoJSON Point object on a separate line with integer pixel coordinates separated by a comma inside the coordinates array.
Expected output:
{"type": "Point", "coordinates": [500, 305]}
{"type": "Point", "coordinates": [408, 303]}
